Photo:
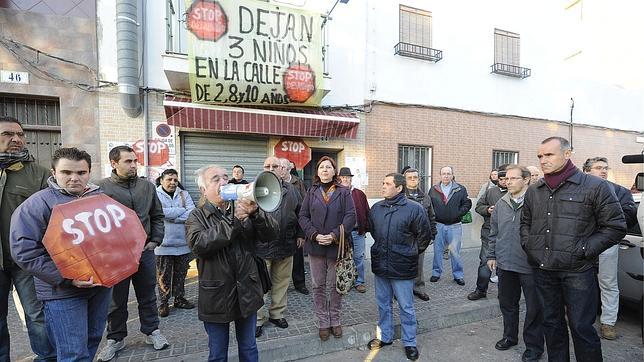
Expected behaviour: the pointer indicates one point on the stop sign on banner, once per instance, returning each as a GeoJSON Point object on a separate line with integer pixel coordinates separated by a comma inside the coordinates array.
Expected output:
{"type": "Point", "coordinates": [295, 150]}
{"type": "Point", "coordinates": [158, 152]}
{"type": "Point", "coordinates": [207, 20]}
{"type": "Point", "coordinates": [96, 237]}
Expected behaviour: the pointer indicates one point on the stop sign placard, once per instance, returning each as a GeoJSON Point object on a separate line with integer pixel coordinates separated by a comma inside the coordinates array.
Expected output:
{"type": "Point", "coordinates": [158, 152]}
{"type": "Point", "coordinates": [207, 20]}
{"type": "Point", "coordinates": [97, 237]}
{"type": "Point", "coordinates": [295, 150]}
{"type": "Point", "coordinates": [299, 82]}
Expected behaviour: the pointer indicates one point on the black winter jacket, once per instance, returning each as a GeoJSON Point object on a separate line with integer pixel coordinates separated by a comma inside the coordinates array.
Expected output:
{"type": "Point", "coordinates": [627, 203]}
{"type": "Point", "coordinates": [422, 198]}
{"type": "Point", "coordinates": [401, 231]}
{"type": "Point", "coordinates": [451, 211]}
{"type": "Point", "coordinates": [229, 285]}
{"type": "Point", "coordinates": [287, 216]}
{"type": "Point", "coordinates": [489, 198]}
{"type": "Point", "coordinates": [141, 196]}
{"type": "Point", "coordinates": [567, 228]}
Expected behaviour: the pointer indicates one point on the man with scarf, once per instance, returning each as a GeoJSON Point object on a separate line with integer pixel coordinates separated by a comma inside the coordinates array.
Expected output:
{"type": "Point", "coordinates": [485, 207]}
{"type": "Point", "coordinates": [401, 231]}
{"type": "Point", "coordinates": [568, 219]}
{"type": "Point", "coordinates": [20, 177]}
{"type": "Point", "coordinates": [415, 193]}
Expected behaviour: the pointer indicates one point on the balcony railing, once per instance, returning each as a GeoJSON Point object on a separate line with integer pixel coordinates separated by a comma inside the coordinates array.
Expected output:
{"type": "Point", "coordinates": [418, 52]}
{"type": "Point", "coordinates": [511, 70]}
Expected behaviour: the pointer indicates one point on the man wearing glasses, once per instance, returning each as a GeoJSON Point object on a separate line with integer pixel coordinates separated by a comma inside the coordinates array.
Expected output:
{"type": "Point", "coordinates": [607, 277]}
{"type": "Point", "coordinates": [485, 207]}
{"type": "Point", "coordinates": [278, 252]}
{"type": "Point", "coordinates": [20, 177]}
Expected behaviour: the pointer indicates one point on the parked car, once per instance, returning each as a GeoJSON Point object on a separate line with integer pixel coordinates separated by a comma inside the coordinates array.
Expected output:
{"type": "Point", "coordinates": [630, 267]}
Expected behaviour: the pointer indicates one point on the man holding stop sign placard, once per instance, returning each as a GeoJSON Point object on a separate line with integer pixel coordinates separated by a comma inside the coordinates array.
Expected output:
{"type": "Point", "coordinates": [75, 310]}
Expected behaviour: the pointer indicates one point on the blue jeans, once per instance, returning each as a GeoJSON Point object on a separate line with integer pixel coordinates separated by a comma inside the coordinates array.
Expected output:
{"type": "Point", "coordinates": [75, 325]}
{"type": "Point", "coordinates": [358, 255]}
{"type": "Point", "coordinates": [218, 339]}
{"type": "Point", "coordinates": [450, 235]}
{"type": "Point", "coordinates": [571, 295]}
{"type": "Point", "coordinates": [24, 284]}
{"type": "Point", "coordinates": [404, 292]}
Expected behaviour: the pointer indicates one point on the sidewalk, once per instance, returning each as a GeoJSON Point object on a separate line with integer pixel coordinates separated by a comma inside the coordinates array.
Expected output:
{"type": "Point", "coordinates": [447, 307]}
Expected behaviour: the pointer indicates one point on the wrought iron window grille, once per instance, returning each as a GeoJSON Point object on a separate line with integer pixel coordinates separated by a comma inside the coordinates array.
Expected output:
{"type": "Point", "coordinates": [418, 52]}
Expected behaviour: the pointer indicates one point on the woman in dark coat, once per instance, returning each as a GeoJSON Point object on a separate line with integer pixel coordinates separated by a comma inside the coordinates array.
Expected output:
{"type": "Point", "coordinates": [326, 206]}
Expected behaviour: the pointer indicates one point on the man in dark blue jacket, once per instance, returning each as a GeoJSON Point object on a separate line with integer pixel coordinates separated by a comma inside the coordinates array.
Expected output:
{"type": "Point", "coordinates": [451, 203]}
{"type": "Point", "coordinates": [401, 231]}
{"type": "Point", "coordinates": [75, 310]}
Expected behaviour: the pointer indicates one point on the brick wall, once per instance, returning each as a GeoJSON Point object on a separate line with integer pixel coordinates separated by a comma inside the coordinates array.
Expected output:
{"type": "Point", "coordinates": [465, 140]}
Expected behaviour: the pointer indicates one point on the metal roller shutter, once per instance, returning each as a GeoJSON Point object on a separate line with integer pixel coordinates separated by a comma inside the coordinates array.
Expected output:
{"type": "Point", "coordinates": [225, 151]}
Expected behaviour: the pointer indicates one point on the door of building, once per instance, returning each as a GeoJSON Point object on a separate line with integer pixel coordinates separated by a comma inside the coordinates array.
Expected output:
{"type": "Point", "coordinates": [40, 118]}
{"type": "Point", "coordinates": [316, 154]}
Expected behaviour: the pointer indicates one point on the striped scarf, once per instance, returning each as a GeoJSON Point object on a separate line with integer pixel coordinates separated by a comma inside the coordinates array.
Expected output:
{"type": "Point", "coordinates": [7, 158]}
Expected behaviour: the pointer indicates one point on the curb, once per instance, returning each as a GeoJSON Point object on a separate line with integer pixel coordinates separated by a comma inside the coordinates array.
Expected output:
{"type": "Point", "coordinates": [357, 336]}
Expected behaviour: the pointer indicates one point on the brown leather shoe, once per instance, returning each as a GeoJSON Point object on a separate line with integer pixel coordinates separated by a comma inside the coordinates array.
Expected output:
{"type": "Point", "coordinates": [324, 334]}
{"type": "Point", "coordinates": [337, 331]}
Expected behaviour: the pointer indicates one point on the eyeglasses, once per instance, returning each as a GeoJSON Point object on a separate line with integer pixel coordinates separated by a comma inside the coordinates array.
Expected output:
{"type": "Point", "coordinates": [271, 167]}
{"type": "Point", "coordinates": [12, 134]}
{"type": "Point", "coordinates": [601, 168]}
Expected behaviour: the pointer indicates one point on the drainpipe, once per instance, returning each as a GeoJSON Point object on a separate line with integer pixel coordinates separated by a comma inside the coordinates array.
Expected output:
{"type": "Point", "coordinates": [127, 53]}
{"type": "Point", "coordinates": [146, 91]}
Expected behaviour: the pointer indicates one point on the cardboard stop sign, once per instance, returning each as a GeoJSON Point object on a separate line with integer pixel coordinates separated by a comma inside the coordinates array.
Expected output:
{"type": "Point", "coordinates": [295, 150]}
{"type": "Point", "coordinates": [158, 152]}
{"type": "Point", "coordinates": [207, 20]}
{"type": "Point", "coordinates": [95, 236]}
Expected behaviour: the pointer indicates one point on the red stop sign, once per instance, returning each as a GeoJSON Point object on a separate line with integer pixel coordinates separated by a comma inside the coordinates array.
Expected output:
{"type": "Point", "coordinates": [95, 236]}
{"type": "Point", "coordinates": [158, 152]}
{"type": "Point", "coordinates": [299, 82]}
{"type": "Point", "coordinates": [295, 150]}
{"type": "Point", "coordinates": [207, 20]}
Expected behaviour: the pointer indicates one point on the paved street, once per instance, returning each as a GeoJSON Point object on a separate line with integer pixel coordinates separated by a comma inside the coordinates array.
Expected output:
{"type": "Point", "coordinates": [187, 337]}
{"type": "Point", "coordinates": [444, 321]}
{"type": "Point", "coordinates": [475, 342]}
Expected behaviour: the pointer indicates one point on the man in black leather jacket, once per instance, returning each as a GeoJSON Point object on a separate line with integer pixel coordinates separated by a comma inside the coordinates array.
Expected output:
{"type": "Point", "coordinates": [568, 219]}
{"type": "Point", "coordinates": [224, 243]}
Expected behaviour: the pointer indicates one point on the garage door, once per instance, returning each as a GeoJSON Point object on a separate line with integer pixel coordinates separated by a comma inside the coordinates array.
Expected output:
{"type": "Point", "coordinates": [201, 150]}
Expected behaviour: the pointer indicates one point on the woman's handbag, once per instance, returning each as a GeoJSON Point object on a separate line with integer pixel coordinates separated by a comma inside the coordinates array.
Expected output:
{"type": "Point", "coordinates": [345, 269]}
{"type": "Point", "coordinates": [264, 276]}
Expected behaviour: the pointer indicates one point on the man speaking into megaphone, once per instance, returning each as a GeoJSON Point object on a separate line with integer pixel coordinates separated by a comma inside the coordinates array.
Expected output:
{"type": "Point", "coordinates": [224, 242]}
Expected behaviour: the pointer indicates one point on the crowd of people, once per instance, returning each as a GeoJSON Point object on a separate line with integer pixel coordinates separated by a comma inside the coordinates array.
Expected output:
{"type": "Point", "coordinates": [551, 237]}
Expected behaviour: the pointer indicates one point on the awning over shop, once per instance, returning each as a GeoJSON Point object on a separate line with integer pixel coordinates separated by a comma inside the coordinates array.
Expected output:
{"type": "Point", "coordinates": [181, 112]}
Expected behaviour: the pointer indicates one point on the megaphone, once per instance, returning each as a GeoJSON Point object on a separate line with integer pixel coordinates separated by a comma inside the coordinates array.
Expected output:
{"type": "Point", "coordinates": [266, 191]}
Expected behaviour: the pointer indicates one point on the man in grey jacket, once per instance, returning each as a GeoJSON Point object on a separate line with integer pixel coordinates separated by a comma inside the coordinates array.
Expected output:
{"type": "Point", "coordinates": [485, 208]}
{"type": "Point", "coordinates": [139, 195]}
{"type": "Point", "coordinates": [508, 258]}
{"type": "Point", "coordinates": [76, 310]}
